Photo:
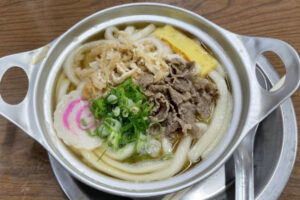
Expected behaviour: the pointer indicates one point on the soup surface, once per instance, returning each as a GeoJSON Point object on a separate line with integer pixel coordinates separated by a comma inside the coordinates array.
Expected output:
{"type": "Point", "coordinates": [142, 104]}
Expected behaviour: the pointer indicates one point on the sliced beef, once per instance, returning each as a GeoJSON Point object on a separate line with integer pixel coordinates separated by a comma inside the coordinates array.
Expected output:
{"type": "Point", "coordinates": [176, 65]}
{"type": "Point", "coordinates": [179, 69]}
{"type": "Point", "coordinates": [204, 85]}
{"type": "Point", "coordinates": [203, 108]}
{"type": "Point", "coordinates": [180, 84]}
{"type": "Point", "coordinates": [158, 88]}
{"type": "Point", "coordinates": [172, 123]}
{"type": "Point", "coordinates": [187, 112]}
{"type": "Point", "coordinates": [160, 111]}
{"type": "Point", "coordinates": [212, 90]}
{"type": "Point", "coordinates": [176, 97]}
{"type": "Point", "coordinates": [146, 79]}
{"type": "Point", "coordinates": [189, 66]}
{"type": "Point", "coordinates": [154, 128]}
{"type": "Point", "coordinates": [179, 98]}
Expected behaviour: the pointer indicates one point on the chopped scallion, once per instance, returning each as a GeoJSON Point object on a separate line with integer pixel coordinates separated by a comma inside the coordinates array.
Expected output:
{"type": "Point", "coordinates": [123, 114]}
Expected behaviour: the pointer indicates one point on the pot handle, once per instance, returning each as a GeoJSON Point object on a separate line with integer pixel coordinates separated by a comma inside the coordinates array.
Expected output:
{"type": "Point", "coordinates": [288, 84]}
{"type": "Point", "coordinates": [29, 62]}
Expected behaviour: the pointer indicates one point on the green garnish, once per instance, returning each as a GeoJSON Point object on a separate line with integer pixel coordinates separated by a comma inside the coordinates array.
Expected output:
{"type": "Point", "coordinates": [102, 154]}
{"type": "Point", "coordinates": [83, 122]}
{"type": "Point", "coordinates": [167, 156]}
{"type": "Point", "coordinates": [124, 115]}
{"type": "Point", "coordinates": [84, 125]}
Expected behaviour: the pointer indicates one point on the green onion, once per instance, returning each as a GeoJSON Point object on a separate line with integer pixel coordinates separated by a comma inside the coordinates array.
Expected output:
{"type": "Point", "coordinates": [84, 124]}
{"type": "Point", "coordinates": [167, 156]}
{"type": "Point", "coordinates": [123, 114]}
{"type": "Point", "coordinates": [102, 154]}
{"type": "Point", "coordinates": [116, 111]}
{"type": "Point", "coordinates": [112, 99]}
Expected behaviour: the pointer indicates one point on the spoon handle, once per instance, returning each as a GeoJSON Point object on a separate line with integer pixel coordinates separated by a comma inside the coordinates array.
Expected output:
{"type": "Point", "coordinates": [243, 157]}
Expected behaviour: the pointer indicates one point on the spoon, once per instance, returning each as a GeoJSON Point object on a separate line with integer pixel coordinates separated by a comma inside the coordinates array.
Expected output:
{"type": "Point", "coordinates": [243, 158]}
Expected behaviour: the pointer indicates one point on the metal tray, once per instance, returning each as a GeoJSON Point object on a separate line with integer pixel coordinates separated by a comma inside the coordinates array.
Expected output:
{"type": "Point", "coordinates": [274, 156]}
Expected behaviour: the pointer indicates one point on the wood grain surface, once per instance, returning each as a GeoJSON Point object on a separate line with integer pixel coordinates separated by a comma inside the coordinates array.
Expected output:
{"type": "Point", "coordinates": [25, 172]}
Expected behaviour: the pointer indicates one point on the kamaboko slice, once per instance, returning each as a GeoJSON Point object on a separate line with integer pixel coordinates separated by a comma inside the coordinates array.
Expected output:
{"type": "Point", "coordinates": [73, 121]}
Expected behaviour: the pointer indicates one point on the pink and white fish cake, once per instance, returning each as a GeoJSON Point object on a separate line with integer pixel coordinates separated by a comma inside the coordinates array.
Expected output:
{"type": "Point", "coordinates": [72, 118]}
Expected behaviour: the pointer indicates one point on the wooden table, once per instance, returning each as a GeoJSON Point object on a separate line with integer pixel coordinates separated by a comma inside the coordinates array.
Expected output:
{"type": "Point", "coordinates": [25, 172]}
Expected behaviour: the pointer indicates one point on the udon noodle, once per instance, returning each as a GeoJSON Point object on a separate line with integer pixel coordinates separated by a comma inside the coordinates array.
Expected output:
{"type": "Point", "coordinates": [93, 68]}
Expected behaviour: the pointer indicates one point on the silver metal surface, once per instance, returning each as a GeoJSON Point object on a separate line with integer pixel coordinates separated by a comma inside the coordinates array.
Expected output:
{"type": "Point", "coordinates": [243, 158]}
{"type": "Point", "coordinates": [210, 187]}
{"type": "Point", "coordinates": [277, 147]}
{"type": "Point", "coordinates": [275, 143]}
{"type": "Point", "coordinates": [256, 46]}
{"type": "Point", "coordinates": [236, 53]}
{"type": "Point", "coordinates": [18, 114]}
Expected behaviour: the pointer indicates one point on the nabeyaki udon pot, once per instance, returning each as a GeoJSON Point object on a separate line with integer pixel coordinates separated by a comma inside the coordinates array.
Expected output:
{"type": "Point", "coordinates": [238, 55]}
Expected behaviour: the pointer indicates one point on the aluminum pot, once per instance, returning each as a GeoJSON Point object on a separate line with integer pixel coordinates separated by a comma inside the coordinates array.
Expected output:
{"type": "Point", "coordinates": [238, 55]}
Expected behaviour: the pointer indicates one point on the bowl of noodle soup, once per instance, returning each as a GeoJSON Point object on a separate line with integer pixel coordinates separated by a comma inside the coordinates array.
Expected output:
{"type": "Point", "coordinates": [137, 103]}
{"type": "Point", "coordinates": [170, 82]}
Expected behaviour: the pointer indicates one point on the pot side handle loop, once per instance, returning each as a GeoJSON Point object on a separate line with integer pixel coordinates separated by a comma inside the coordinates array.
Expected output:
{"type": "Point", "coordinates": [288, 84]}
{"type": "Point", "coordinates": [17, 114]}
